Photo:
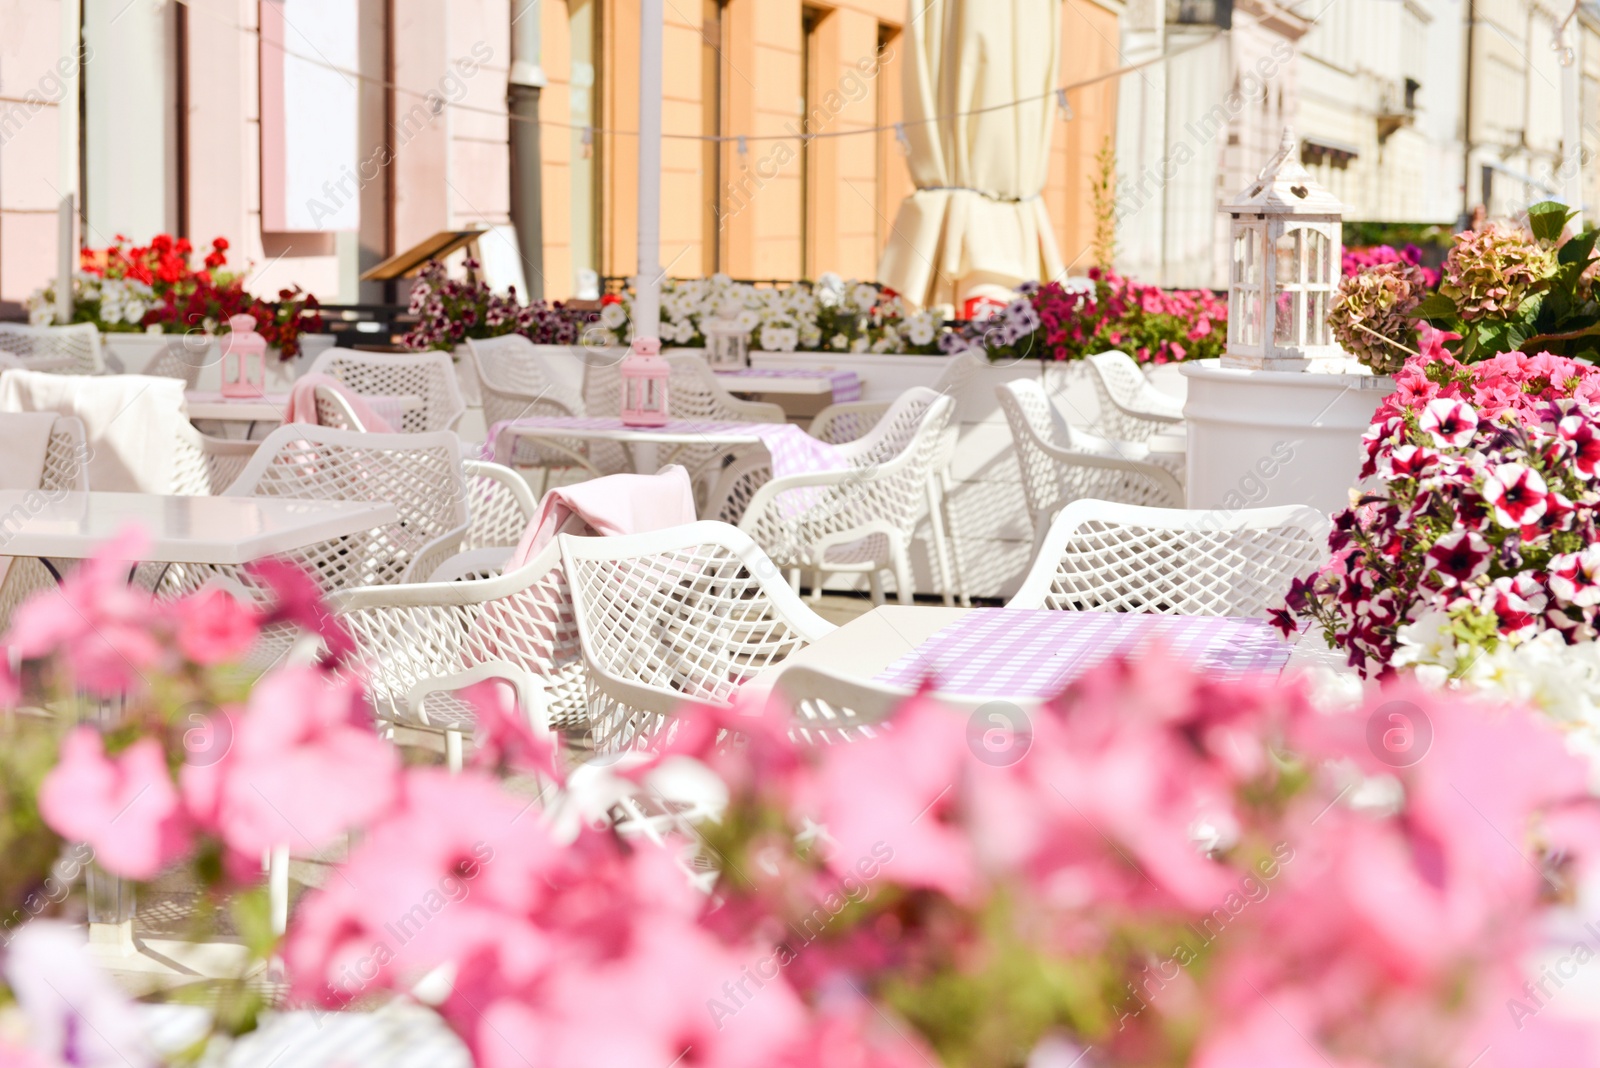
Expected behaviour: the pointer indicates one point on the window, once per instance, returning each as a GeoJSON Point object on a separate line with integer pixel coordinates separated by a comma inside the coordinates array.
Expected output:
{"type": "Point", "coordinates": [308, 116]}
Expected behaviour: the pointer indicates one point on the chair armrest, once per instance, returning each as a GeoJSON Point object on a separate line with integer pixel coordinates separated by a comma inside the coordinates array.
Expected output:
{"type": "Point", "coordinates": [853, 419]}
{"type": "Point", "coordinates": [473, 564]}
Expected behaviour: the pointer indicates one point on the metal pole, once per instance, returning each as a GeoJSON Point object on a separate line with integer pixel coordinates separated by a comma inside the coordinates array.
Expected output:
{"type": "Point", "coordinates": [522, 101]}
{"type": "Point", "coordinates": [647, 296]}
{"type": "Point", "coordinates": [1571, 135]}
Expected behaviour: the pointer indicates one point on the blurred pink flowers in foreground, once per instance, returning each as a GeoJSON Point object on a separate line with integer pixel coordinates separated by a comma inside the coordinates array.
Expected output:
{"type": "Point", "coordinates": [1171, 871]}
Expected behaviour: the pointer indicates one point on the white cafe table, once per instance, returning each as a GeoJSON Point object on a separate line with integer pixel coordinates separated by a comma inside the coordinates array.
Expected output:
{"type": "Point", "coordinates": [866, 647]}
{"type": "Point", "coordinates": [211, 405]}
{"type": "Point", "coordinates": [800, 386]}
{"type": "Point", "coordinates": [183, 530]}
{"type": "Point", "coordinates": [643, 442]}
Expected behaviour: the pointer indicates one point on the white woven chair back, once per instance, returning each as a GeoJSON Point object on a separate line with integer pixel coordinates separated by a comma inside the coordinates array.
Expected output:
{"type": "Point", "coordinates": [1104, 556]}
{"type": "Point", "coordinates": [428, 375]}
{"type": "Point", "coordinates": [420, 474]}
{"type": "Point", "coordinates": [1054, 473]}
{"type": "Point", "coordinates": [686, 613]}
{"type": "Point", "coordinates": [70, 350]}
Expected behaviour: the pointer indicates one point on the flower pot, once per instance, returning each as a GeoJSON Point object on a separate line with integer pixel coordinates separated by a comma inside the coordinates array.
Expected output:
{"type": "Point", "coordinates": [1262, 438]}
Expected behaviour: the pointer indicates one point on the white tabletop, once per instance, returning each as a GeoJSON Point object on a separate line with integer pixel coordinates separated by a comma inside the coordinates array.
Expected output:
{"type": "Point", "coordinates": [866, 646]}
{"type": "Point", "coordinates": [805, 386]}
{"type": "Point", "coordinates": [267, 408]}
{"type": "Point", "coordinates": [182, 530]}
{"type": "Point", "coordinates": [644, 434]}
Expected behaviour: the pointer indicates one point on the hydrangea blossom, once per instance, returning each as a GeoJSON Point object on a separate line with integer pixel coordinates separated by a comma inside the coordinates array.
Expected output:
{"type": "Point", "coordinates": [1490, 272]}
{"type": "Point", "coordinates": [1371, 314]}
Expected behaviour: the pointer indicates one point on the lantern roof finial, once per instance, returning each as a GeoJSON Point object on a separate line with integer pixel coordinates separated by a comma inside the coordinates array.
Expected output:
{"type": "Point", "coordinates": [1284, 187]}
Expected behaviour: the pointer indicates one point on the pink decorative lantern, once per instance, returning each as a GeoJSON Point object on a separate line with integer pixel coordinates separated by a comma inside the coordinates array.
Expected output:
{"type": "Point", "coordinates": [644, 384]}
{"type": "Point", "coordinates": [244, 359]}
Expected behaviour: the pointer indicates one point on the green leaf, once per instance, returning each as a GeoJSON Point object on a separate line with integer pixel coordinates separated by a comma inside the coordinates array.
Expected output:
{"type": "Point", "coordinates": [1578, 249]}
{"type": "Point", "coordinates": [1434, 306]}
{"type": "Point", "coordinates": [1547, 219]}
{"type": "Point", "coordinates": [252, 918]}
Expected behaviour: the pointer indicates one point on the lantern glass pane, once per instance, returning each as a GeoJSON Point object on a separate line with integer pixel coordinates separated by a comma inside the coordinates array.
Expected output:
{"type": "Point", "coordinates": [1287, 252]}
{"type": "Point", "coordinates": [1318, 258]}
{"type": "Point", "coordinates": [1284, 318]}
{"type": "Point", "coordinates": [1316, 314]}
{"type": "Point", "coordinates": [1239, 254]}
{"type": "Point", "coordinates": [1252, 317]}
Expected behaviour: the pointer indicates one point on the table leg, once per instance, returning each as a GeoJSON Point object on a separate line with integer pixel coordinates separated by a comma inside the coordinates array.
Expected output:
{"type": "Point", "coordinates": [646, 457]}
{"type": "Point", "coordinates": [111, 898]}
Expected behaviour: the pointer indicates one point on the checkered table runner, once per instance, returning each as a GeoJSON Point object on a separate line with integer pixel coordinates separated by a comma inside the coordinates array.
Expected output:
{"type": "Point", "coordinates": [846, 384]}
{"type": "Point", "coordinates": [1011, 652]}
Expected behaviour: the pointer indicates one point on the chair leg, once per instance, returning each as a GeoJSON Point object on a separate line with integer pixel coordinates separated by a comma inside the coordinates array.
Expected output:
{"type": "Point", "coordinates": [794, 579]}
{"type": "Point", "coordinates": [452, 751]}
{"type": "Point", "coordinates": [941, 550]}
{"type": "Point", "coordinates": [946, 495]}
{"type": "Point", "coordinates": [817, 579]}
{"type": "Point", "coordinates": [904, 592]}
{"type": "Point", "coordinates": [278, 888]}
{"type": "Point", "coordinates": [875, 577]}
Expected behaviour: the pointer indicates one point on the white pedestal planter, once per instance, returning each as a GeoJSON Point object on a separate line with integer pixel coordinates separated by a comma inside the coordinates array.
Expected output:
{"type": "Point", "coordinates": [1259, 438]}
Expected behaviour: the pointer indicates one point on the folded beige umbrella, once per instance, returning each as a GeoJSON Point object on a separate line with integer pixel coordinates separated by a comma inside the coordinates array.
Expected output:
{"type": "Point", "coordinates": [977, 221]}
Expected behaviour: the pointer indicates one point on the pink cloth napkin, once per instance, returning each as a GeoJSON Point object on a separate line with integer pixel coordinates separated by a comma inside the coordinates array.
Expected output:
{"type": "Point", "coordinates": [612, 504]}
{"type": "Point", "coordinates": [302, 405]}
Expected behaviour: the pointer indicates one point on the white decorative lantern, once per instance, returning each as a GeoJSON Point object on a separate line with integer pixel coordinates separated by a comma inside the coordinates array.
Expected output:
{"type": "Point", "coordinates": [727, 343]}
{"type": "Point", "coordinates": [1283, 270]}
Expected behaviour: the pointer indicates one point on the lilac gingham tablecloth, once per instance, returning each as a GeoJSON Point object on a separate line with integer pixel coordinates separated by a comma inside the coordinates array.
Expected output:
{"type": "Point", "coordinates": [793, 451]}
{"type": "Point", "coordinates": [846, 384]}
{"type": "Point", "coordinates": [1014, 652]}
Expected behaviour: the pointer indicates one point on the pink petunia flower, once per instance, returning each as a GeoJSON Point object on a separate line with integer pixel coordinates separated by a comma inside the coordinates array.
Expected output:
{"type": "Point", "coordinates": [125, 807]}
{"type": "Point", "coordinates": [1581, 434]}
{"type": "Point", "coordinates": [1575, 577]}
{"type": "Point", "coordinates": [1459, 556]}
{"type": "Point", "coordinates": [1451, 422]}
{"type": "Point", "coordinates": [1517, 493]}
{"type": "Point", "coordinates": [214, 628]}
{"type": "Point", "coordinates": [103, 625]}
{"type": "Point", "coordinates": [303, 767]}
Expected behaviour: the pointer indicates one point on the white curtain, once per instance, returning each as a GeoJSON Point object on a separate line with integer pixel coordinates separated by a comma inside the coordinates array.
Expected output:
{"type": "Point", "coordinates": [977, 220]}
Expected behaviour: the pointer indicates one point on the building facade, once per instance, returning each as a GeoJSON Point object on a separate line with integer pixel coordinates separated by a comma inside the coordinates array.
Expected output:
{"type": "Point", "coordinates": [320, 136]}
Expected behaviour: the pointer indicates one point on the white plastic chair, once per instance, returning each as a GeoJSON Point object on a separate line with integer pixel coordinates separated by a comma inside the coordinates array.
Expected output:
{"type": "Point", "coordinates": [174, 362]}
{"type": "Point", "coordinates": [69, 350]}
{"type": "Point", "coordinates": [847, 421]}
{"type": "Point", "coordinates": [693, 392]}
{"type": "Point", "coordinates": [862, 518]}
{"type": "Point", "coordinates": [1060, 464]}
{"type": "Point", "coordinates": [420, 474]}
{"type": "Point", "coordinates": [409, 634]}
{"type": "Point", "coordinates": [333, 410]}
{"type": "Point", "coordinates": [499, 503]}
{"type": "Point", "coordinates": [829, 709]}
{"type": "Point", "coordinates": [517, 380]}
{"type": "Point", "coordinates": [687, 613]}
{"type": "Point", "coordinates": [1131, 409]}
{"type": "Point", "coordinates": [428, 375]}
{"type": "Point", "coordinates": [1103, 556]}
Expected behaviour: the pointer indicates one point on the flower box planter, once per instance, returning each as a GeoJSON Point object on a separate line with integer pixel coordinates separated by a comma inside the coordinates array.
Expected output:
{"type": "Point", "coordinates": [134, 353]}
{"type": "Point", "coordinates": [1262, 438]}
